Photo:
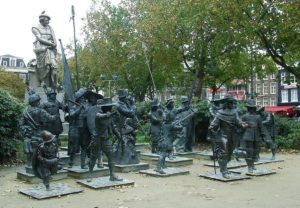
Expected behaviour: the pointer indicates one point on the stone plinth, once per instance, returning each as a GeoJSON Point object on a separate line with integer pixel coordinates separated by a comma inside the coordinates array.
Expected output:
{"type": "Point", "coordinates": [104, 183]}
{"type": "Point", "coordinates": [130, 167]}
{"type": "Point", "coordinates": [258, 172]}
{"type": "Point", "coordinates": [219, 177]}
{"type": "Point", "coordinates": [30, 178]}
{"type": "Point", "coordinates": [77, 172]}
{"type": "Point", "coordinates": [168, 172]}
{"type": "Point", "coordinates": [56, 190]}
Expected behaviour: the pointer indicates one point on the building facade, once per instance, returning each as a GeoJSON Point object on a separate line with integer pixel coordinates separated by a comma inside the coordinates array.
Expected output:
{"type": "Point", "coordinates": [288, 89]}
{"type": "Point", "coordinates": [16, 65]}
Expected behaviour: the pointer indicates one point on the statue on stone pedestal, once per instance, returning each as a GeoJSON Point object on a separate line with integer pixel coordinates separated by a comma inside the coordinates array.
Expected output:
{"type": "Point", "coordinates": [225, 121]}
{"type": "Point", "coordinates": [45, 50]}
{"type": "Point", "coordinates": [269, 124]}
{"type": "Point", "coordinates": [78, 129]}
{"type": "Point", "coordinates": [165, 143]}
{"type": "Point", "coordinates": [156, 117]}
{"type": "Point", "coordinates": [252, 134]}
{"type": "Point", "coordinates": [104, 128]}
{"type": "Point", "coordinates": [32, 122]}
{"type": "Point", "coordinates": [45, 159]}
{"type": "Point", "coordinates": [186, 137]}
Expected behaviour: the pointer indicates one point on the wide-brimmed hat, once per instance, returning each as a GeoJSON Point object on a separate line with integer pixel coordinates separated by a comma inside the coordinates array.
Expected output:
{"type": "Point", "coordinates": [215, 101]}
{"type": "Point", "coordinates": [47, 136]}
{"type": "Point", "coordinates": [88, 94]}
{"type": "Point", "coordinates": [169, 101]}
{"type": "Point", "coordinates": [184, 99]}
{"type": "Point", "coordinates": [107, 101]}
{"type": "Point", "coordinates": [122, 93]}
{"type": "Point", "coordinates": [43, 15]}
{"type": "Point", "coordinates": [33, 98]}
{"type": "Point", "coordinates": [228, 98]}
{"type": "Point", "coordinates": [250, 103]}
{"type": "Point", "coordinates": [81, 92]}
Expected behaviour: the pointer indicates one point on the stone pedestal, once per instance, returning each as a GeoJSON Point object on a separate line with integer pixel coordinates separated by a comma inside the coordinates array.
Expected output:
{"type": "Point", "coordinates": [258, 172]}
{"type": "Point", "coordinates": [141, 146]}
{"type": "Point", "coordinates": [56, 190]}
{"type": "Point", "coordinates": [219, 177]}
{"type": "Point", "coordinates": [30, 178]}
{"type": "Point", "coordinates": [104, 183]}
{"type": "Point", "coordinates": [168, 172]}
{"type": "Point", "coordinates": [77, 172]}
{"type": "Point", "coordinates": [230, 165]}
{"type": "Point", "coordinates": [130, 168]}
{"type": "Point", "coordinates": [176, 162]}
{"type": "Point", "coordinates": [206, 155]}
{"type": "Point", "coordinates": [148, 156]}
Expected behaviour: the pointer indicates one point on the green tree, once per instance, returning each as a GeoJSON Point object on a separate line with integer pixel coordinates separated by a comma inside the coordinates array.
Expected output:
{"type": "Point", "coordinates": [13, 84]}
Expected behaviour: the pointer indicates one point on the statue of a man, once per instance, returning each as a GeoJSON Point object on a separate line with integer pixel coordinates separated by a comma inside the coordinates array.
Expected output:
{"type": "Point", "coordinates": [45, 50]}
{"type": "Point", "coordinates": [32, 122]}
{"type": "Point", "coordinates": [225, 121]}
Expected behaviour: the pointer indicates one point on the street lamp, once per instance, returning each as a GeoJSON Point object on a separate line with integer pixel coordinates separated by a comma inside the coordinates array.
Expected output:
{"type": "Point", "coordinates": [114, 78]}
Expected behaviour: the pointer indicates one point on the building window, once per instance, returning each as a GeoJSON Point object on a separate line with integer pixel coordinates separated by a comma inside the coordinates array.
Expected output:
{"type": "Point", "coordinates": [293, 79]}
{"type": "Point", "coordinates": [294, 95]}
{"type": "Point", "coordinates": [266, 102]}
{"type": "Point", "coordinates": [273, 88]}
{"type": "Point", "coordinates": [266, 77]}
{"type": "Point", "coordinates": [258, 89]}
{"type": "Point", "coordinates": [4, 63]}
{"type": "Point", "coordinates": [12, 62]}
{"type": "Point", "coordinates": [273, 76]}
{"type": "Point", "coordinates": [283, 78]}
{"type": "Point", "coordinates": [272, 101]}
{"type": "Point", "coordinates": [21, 64]}
{"type": "Point", "coordinates": [265, 88]}
{"type": "Point", "coordinates": [258, 102]}
{"type": "Point", "coordinates": [284, 96]}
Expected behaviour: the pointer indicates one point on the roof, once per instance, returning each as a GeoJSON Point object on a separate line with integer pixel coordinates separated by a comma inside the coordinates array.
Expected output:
{"type": "Point", "coordinates": [280, 108]}
{"type": "Point", "coordinates": [10, 56]}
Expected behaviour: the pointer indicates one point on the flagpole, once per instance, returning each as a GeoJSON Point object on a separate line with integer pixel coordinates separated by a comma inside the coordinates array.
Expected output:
{"type": "Point", "coordinates": [75, 47]}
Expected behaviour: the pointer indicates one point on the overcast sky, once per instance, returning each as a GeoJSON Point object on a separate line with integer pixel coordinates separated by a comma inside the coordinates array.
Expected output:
{"type": "Point", "coordinates": [17, 17]}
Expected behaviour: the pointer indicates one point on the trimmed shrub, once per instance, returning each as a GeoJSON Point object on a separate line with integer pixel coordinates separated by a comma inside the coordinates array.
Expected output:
{"type": "Point", "coordinates": [13, 84]}
{"type": "Point", "coordinates": [10, 111]}
{"type": "Point", "coordinates": [288, 133]}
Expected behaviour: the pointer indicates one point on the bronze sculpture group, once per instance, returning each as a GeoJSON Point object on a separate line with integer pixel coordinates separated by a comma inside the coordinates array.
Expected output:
{"type": "Point", "coordinates": [94, 120]}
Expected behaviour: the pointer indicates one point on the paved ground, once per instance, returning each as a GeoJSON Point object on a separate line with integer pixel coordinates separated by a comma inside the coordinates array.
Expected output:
{"type": "Point", "coordinates": [188, 191]}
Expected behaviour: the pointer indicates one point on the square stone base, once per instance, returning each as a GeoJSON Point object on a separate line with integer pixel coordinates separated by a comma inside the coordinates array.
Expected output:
{"type": "Point", "coordinates": [130, 168]}
{"type": "Point", "coordinates": [77, 172]}
{"type": "Point", "coordinates": [30, 178]}
{"type": "Point", "coordinates": [267, 160]}
{"type": "Point", "coordinates": [219, 177]}
{"type": "Point", "coordinates": [104, 183]}
{"type": "Point", "coordinates": [56, 190]}
{"type": "Point", "coordinates": [169, 172]}
{"type": "Point", "coordinates": [206, 155]}
{"type": "Point", "coordinates": [230, 165]}
{"type": "Point", "coordinates": [259, 172]}
{"type": "Point", "coordinates": [148, 156]}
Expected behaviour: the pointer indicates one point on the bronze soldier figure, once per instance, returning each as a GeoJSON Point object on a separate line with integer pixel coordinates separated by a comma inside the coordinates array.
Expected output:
{"type": "Point", "coordinates": [46, 158]}
{"type": "Point", "coordinates": [32, 123]}
{"type": "Point", "coordinates": [269, 124]}
{"type": "Point", "coordinates": [52, 106]}
{"type": "Point", "coordinates": [78, 129]}
{"type": "Point", "coordinates": [253, 133]}
{"type": "Point", "coordinates": [225, 121]}
{"type": "Point", "coordinates": [104, 128]}
{"type": "Point", "coordinates": [156, 117]}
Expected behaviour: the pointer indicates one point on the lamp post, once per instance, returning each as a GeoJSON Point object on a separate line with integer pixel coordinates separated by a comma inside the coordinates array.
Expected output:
{"type": "Point", "coordinates": [114, 78]}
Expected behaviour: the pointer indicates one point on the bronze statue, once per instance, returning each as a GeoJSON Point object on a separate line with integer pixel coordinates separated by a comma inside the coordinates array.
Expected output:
{"type": "Point", "coordinates": [225, 121]}
{"type": "Point", "coordinates": [269, 124]}
{"type": "Point", "coordinates": [52, 106]}
{"type": "Point", "coordinates": [78, 129]}
{"type": "Point", "coordinates": [253, 133]}
{"type": "Point", "coordinates": [156, 117]}
{"type": "Point", "coordinates": [104, 128]}
{"type": "Point", "coordinates": [32, 122]}
{"type": "Point", "coordinates": [45, 50]}
{"type": "Point", "coordinates": [186, 137]}
{"type": "Point", "coordinates": [45, 159]}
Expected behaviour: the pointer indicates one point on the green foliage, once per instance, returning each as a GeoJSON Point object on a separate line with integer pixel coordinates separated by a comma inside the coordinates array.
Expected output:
{"type": "Point", "coordinates": [13, 84]}
{"type": "Point", "coordinates": [202, 109]}
{"type": "Point", "coordinates": [288, 133]}
{"type": "Point", "coordinates": [10, 111]}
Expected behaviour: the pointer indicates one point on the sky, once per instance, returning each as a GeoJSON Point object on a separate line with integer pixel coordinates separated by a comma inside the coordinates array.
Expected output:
{"type": "Point", "coordinates": [17, 17]}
